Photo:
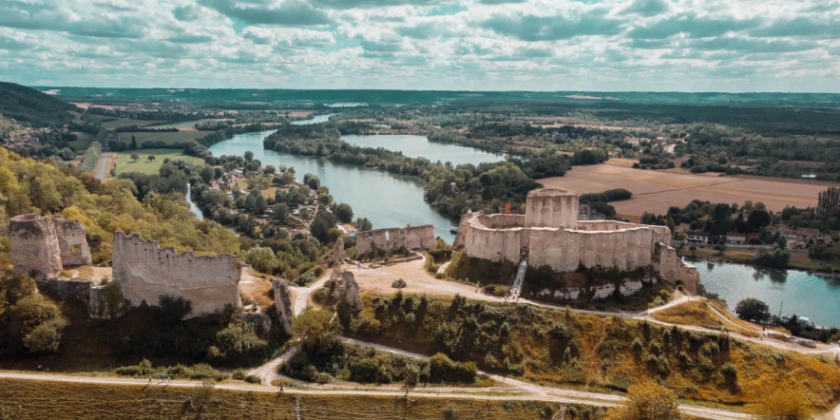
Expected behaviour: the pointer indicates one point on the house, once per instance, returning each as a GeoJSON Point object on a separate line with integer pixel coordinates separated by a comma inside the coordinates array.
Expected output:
{"type": "Point", "coordinates": [697, 237]}
{"type": "Point", "coordinates": [734, 238]}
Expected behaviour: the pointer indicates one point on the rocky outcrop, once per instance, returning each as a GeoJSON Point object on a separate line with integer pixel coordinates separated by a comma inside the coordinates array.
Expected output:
{"type": "Point", "coordinates": [35, 249]}
{"type": "Point", "coordinates": [145, 272]}
{"type": "Point", "coordinates": [72, 242]}
{"type": "Point", "coordinates": [283, 304]}
{"type": "Point", "coordinates": [336, 254]}
{"type": "Point", "coordinates": [351, 291]}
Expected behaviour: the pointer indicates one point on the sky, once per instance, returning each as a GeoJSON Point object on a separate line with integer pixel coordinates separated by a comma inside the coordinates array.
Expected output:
{"type": "Point", "coordinates": [545, 45]}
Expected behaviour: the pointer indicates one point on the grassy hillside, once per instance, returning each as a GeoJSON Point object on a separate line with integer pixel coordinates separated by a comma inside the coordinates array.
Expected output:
{"type": "Point", "coordinates": [553, 347]}
{"type": "Point", "coordinates": [31, 106]}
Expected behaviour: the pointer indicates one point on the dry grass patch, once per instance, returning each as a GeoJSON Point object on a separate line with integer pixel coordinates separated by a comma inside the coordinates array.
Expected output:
{"type": "Point", "coordinates": [695, 313]}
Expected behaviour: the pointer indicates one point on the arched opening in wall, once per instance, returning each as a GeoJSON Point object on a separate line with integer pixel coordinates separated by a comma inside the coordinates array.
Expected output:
{"type": "Point", "coordinates": [387, 234]}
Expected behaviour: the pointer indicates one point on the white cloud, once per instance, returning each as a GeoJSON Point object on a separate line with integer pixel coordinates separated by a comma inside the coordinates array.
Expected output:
{"type": "Point", "coordinates": [430, 44]}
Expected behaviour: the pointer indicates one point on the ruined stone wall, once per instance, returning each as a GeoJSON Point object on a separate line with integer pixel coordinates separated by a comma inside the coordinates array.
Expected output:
{"type": "Point", "coordinates": [420, 237]}
{"type": "Point", "coordinates": [35, 249]}
{"type": "Point", "coordinates": [551, 208]}
{"type": "Point", "coordinates": [144, 272]}
{"type": "Point", "coordinates": [65, 288]}
{"type": "Point", "coordinates": [336, 254]}
{"type": "Point", "coordinates": [564, 249]}
{"type": "Point", "coordinates": [501, 221]}
{"type": "Point", "coordinates": [493, 244]}
{"type": "Point", "coordinates": [463, 226]}
{"type": "Point", "coordinates": [392, 239]}
{"type": "Point", "coordinates": [670, 268]}
{"type": "Point", "coordinates": [72, 242]}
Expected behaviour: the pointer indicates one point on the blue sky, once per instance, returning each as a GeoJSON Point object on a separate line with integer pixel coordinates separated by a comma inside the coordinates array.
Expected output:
{"type": "Point", "coordinates": [607, 45]}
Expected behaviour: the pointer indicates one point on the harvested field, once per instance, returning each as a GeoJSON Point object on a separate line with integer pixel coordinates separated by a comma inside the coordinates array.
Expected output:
{"type": "Point", "coordinates": [125, 122]}
{"type": "Point", "coordinates": [655, 191]}
{"type": "Point", "coordinates": [189, 125]}
{"type": "Point", "coordinates": [124, 162]}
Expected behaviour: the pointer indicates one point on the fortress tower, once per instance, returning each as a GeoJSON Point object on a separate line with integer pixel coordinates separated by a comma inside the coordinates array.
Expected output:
{"type": "Point", "coordinates": [71, 241]}
{"type": "Point", "coordinates": [35, 249]}
{"type": "Point", "coordinates": [554, 208]}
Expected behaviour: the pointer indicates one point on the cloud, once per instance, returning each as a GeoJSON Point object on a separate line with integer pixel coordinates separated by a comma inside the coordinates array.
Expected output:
{"type": "Point", "coordinates": [191, 39]}
{"type": "Point", "coordinates": [752, 45]}
{"type": "Point", "coordinates": [187, 12]}
{"type": "Point", "coordinates": [801, 26]}
{"type": "Point", "coordinates": [7, 43]}
{"type": "Point", "coordinates": [691, 24]}
{"type": "Point", "coordinates": [552, 28]}
{"type": "Point", "coordinates": [647, 7]}
{"type": "Point", "coordinates": [45, 16]}
{"type": "Point", "coordinates": [366, 4]}
{"type": "Point", "coordinates": [292, 13]}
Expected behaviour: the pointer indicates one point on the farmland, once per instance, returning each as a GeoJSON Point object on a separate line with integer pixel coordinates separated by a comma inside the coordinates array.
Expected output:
{"type": "Point", "coordinates": [655, 191]}
{"type": "Point", "coordinates": [143, 165]}
{"type": "Point", "coordinates": [168, 137]}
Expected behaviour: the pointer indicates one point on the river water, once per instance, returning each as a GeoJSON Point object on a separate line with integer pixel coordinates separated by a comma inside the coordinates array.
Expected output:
{"type": "Point", "coordinates": [416, 146]}
{"type": "Point", "coordinates": [387, 200]}
{"type": "Point", "coordinates": [314, 120]}
{"type": "Point", "coordinates": [804, 294]}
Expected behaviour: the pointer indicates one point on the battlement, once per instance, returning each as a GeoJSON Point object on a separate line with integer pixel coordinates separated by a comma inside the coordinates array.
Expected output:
{"type": "Point", "coordinates": [391, 239]}
{"type": "Point", "coordinates": [145, 271]}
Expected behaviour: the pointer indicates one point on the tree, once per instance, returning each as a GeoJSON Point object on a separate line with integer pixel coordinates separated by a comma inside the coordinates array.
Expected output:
{"type": "Point", "coordinates": [151, 158]}
{"type": "Point", "coordinates": [753, 309]}
{"type": "Point", "coordinates": [647, 401]}
{"type": "Point", "coordinates": [174, 308]}
{"type": "Point", "coordinates": [321, 225]}
{"type": "Point", "coordinates": [206, 173]}
{"type": "Point", "coordinates": [759, 219]}
{"type": "Point", "coordinates": [363, 224]}
{"type": "Point", "coordinates": [269, 169]}
{"type": "Point", "coordinates": [828, 200]}
{"type": "Point", "coordinates": [280, 213]}
{"type": "Point", "coordinates": [344, 213]}
{"type": "Point", "coordinates": [133, 143]}
{"type": "Point", "coordinates": [312, 325]}
{"type": "Point", "coordinates": [134, 157]}
{"type": "Point", "coordinates": [249, 156]}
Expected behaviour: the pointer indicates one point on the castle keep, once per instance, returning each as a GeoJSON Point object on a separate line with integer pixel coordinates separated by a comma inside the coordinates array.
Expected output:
{"type": "Point", "coordinates": [42, 247]}
{"type": "Point", "coordinates": [145, 271]}
{"type": "Point", "coordinates": [549, 233]}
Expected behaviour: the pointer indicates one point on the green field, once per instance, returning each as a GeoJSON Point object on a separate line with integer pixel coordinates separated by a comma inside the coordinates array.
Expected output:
{"type": "Point", "coordinates": [143, 165]}
{"type": "Point", "coordinates": [124, 122]}
{"type": "Point", "coordinates": [188, 124]}
{"type": "Point", "coordinates": [168, 137]}
{"type": "Point", "coordinates": [83, 141]}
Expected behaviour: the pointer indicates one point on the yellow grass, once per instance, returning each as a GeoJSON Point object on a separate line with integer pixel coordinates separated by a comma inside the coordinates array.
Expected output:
{"type": "Point", "coordinates": [31, 400]}
{"type": "Point", "coordinates": [695, 313]}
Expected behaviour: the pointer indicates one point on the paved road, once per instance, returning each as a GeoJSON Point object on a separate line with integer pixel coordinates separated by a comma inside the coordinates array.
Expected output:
{"type": "Point", "coordinates": [103, 166]}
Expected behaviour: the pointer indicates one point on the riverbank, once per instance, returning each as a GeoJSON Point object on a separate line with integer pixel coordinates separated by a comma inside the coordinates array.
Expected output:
{"type": "Point", "coordinates": [799, 260]}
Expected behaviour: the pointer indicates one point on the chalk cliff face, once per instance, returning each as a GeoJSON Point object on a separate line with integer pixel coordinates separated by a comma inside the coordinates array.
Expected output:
{"type": "Point", "coordinates": [336, 254]}
{"type": "Point", "coordinates": [145, 272]}
{"type": "Point", "coordinates": [35, 249]}
{"type": "Point", "coordinates": [556, 238]}
{"type": "Point", "coordinates": [412, 237]}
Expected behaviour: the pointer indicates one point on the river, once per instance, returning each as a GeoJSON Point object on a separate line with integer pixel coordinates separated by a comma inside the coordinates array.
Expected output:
{"type": "Point", "coordinates": [314, 120]}
{"type": "Point", "coordinates": [386, 199]}
{"type": "Point", "coordinates": [416, 146]}
{"type": "Point", "coordinates": [804, 294]}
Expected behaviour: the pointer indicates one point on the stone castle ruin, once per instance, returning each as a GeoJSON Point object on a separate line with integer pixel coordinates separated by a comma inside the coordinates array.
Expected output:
{"type": "Point", "coordinates": [550, 234]}
{"type": "Point", "coordinates": [145, 271]}
{"type": "Point", "coordinates": [42, 247]}
{"type": "Point", "coordinates": [393, 239]}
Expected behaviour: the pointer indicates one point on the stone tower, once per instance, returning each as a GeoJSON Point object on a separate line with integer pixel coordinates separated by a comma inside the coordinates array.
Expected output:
{"type": "Point", "coordinates": [550, 207]}
{"type": "Point", "coordinates": [35, 248]}
{"type": "Point", "coordinates": [71, 241]}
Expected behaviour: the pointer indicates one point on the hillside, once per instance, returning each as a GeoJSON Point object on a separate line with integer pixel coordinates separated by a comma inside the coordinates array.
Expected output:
{"type": "Point", "coordinates": [28, 105]}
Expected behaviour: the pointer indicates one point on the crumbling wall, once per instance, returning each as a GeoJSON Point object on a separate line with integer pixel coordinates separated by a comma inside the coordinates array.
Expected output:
{"type": "Point", "coordinates": [145, 272]}
{"type": "Point", "coordinates": [35, 249]}
{"type": "Point", "coordinates": [392, 239]}
{"type": "Point", "coordinates": [493, 244]}
{"type": "Point", "coordinates": [63, 288]}
{"type": "Point", "coordinates": [283, 303]}
{"type": "Point", "coordinates": [671, 269]}
{"type": "Point", "coordinates": [420, 237]}
{"type": "Point", "coordinates": [72, 242]}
